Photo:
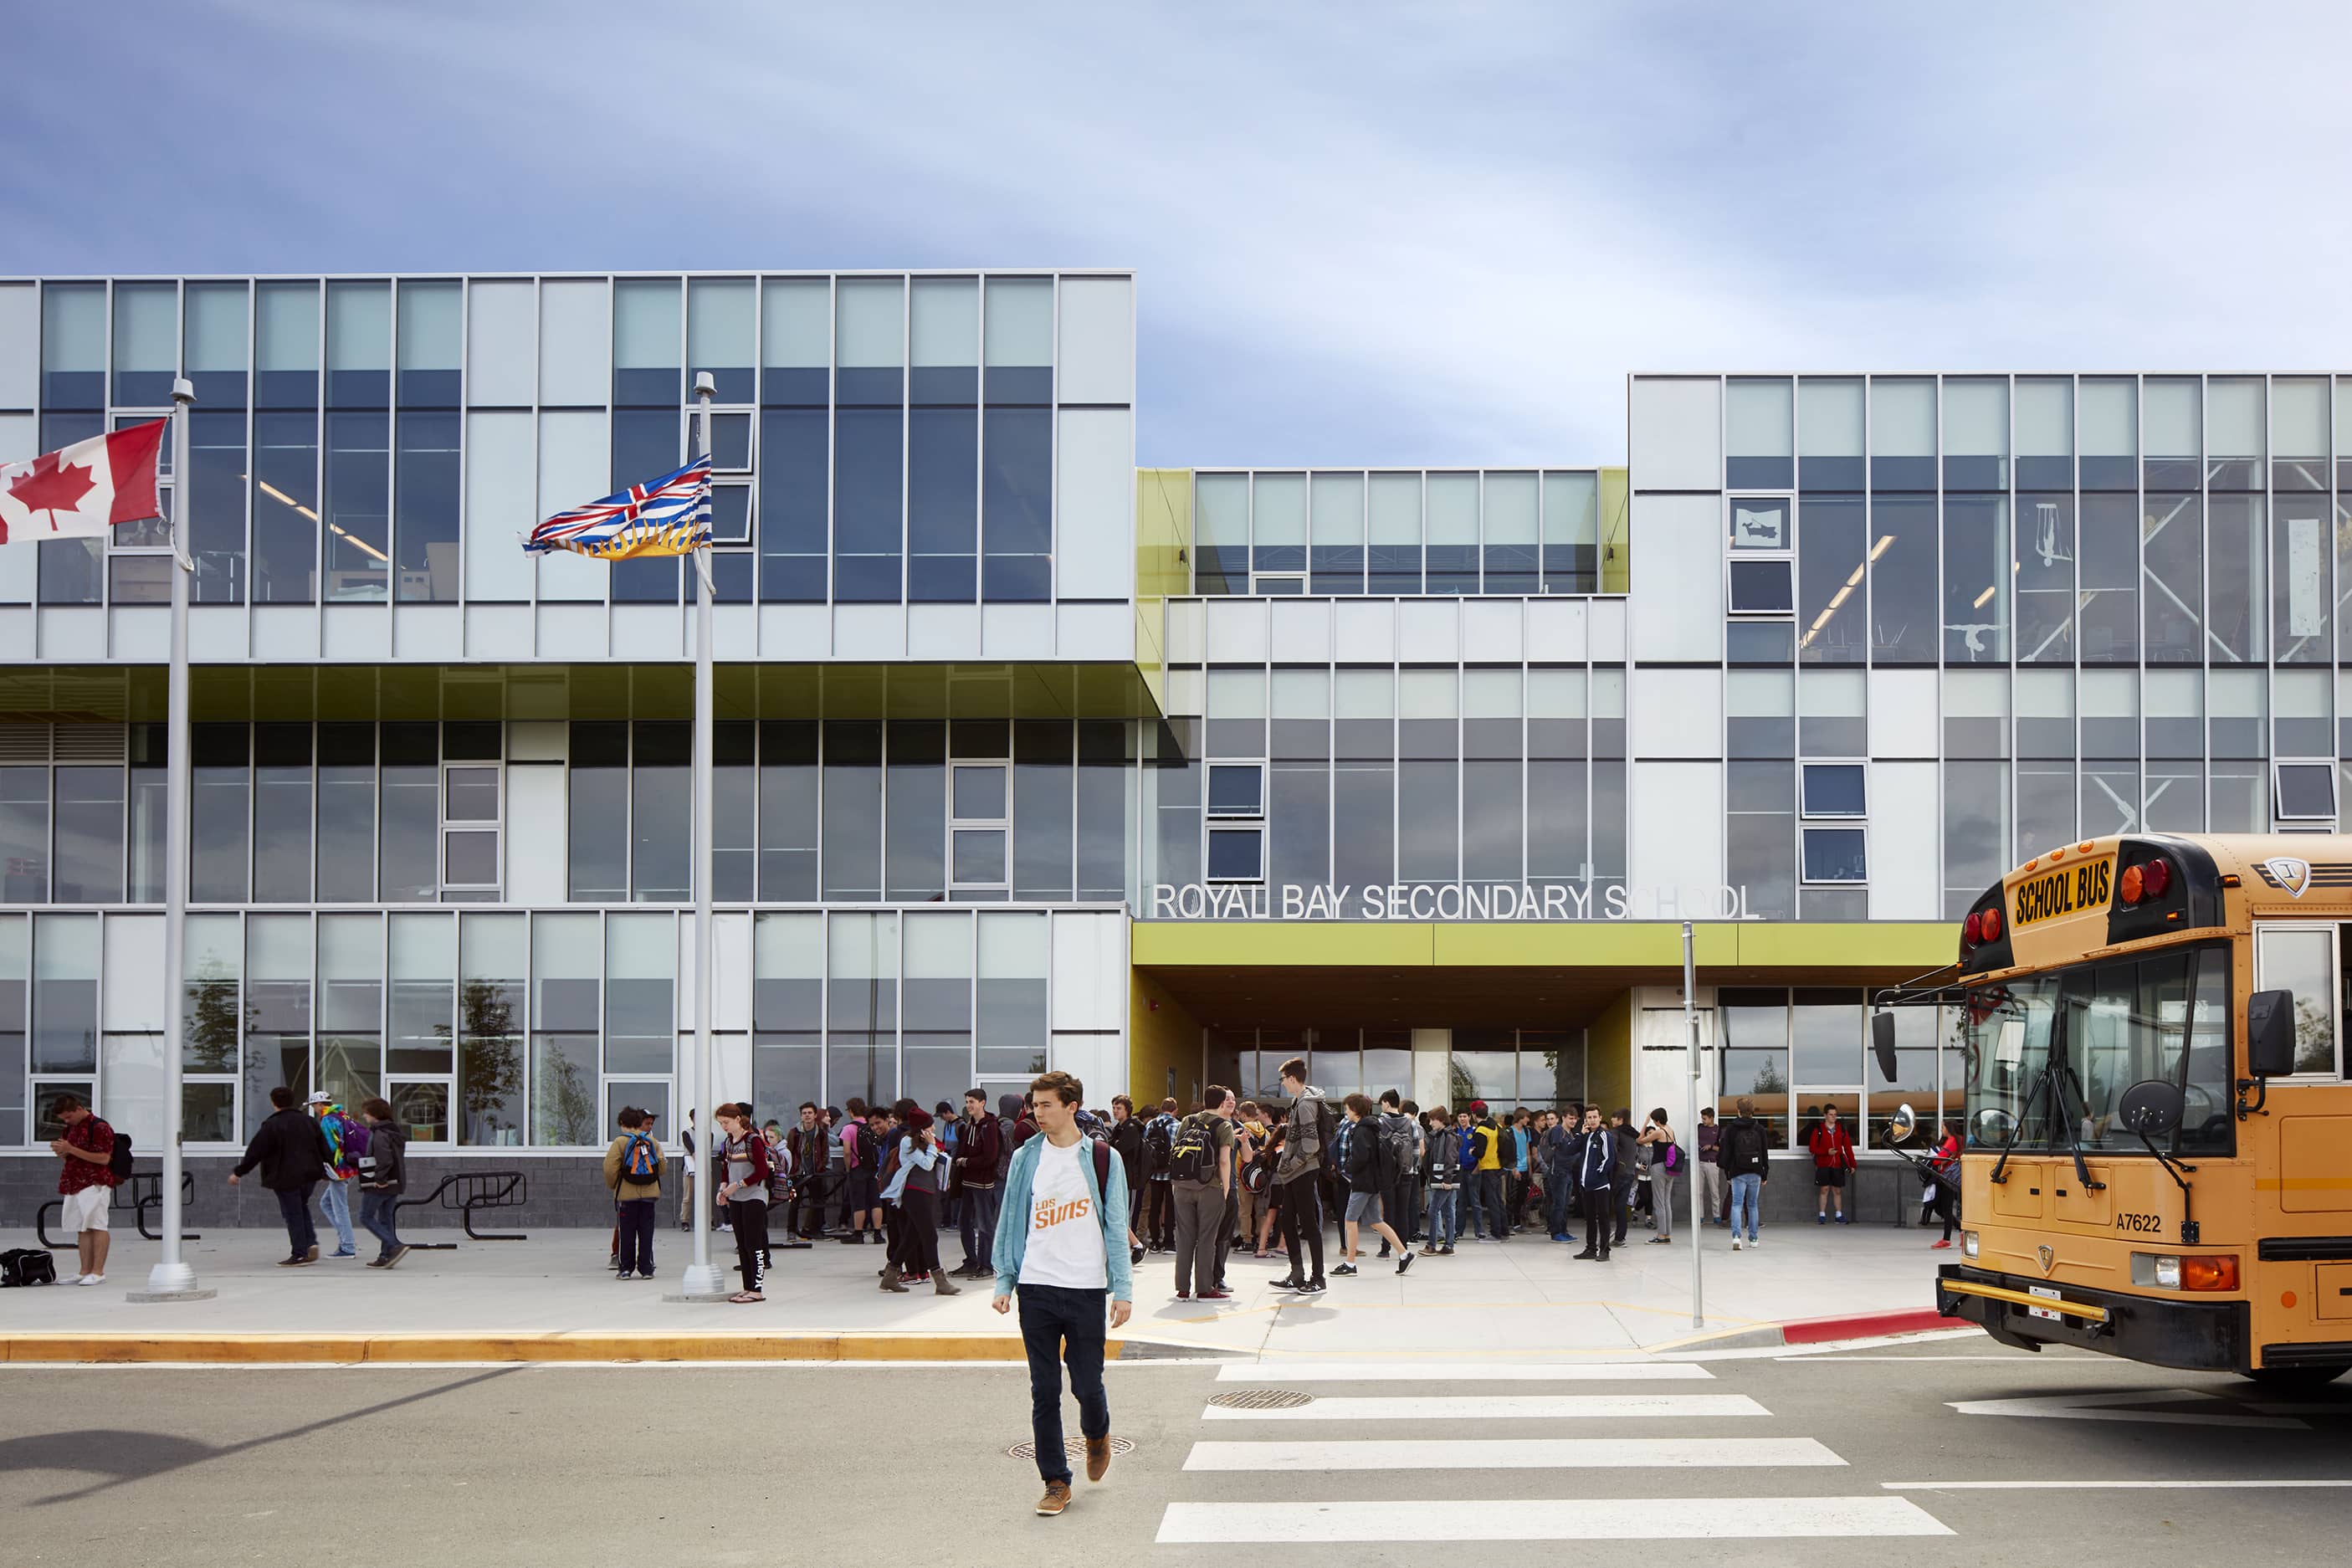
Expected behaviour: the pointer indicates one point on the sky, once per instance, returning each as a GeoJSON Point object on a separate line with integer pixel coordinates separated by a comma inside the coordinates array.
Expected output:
{"type": "Point", "coordinates": [1362, 233]}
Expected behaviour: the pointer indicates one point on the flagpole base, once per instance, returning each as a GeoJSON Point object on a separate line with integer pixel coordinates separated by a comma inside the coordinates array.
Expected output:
{"type": "Point", "coordinates": [172, 1282]}
{"type": "Point", "coordinates": [701, 1282]}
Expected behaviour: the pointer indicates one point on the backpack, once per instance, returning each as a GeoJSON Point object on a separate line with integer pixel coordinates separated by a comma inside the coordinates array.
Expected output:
{"type": "Point", "coordinates": [1629, 1159]}
{"type": "Point", "coordinates": [117, 1164]}
{"type": "Point", "coordinates": [641, 1159]}
{"type": "Point", "coordinates": [1158, 1144]}
{"type": "Point", "coordinates": [1327, 1130]}
{"type": "Point", "coordinates": [26, 1266]}
{"type": "Point", "coordinates": [780, 1171]}
{"type": "Point", "coordinates": [1192, 1153]}
{"type": "Point", "coordinates": [1396, 1135]}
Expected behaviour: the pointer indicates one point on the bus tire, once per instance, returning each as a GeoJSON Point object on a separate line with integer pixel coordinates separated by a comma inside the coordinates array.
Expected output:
{"type": "Point", "coordinates": [2293, 1378]}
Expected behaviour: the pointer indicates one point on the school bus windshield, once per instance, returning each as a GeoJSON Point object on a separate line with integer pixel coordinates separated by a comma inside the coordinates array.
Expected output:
{"type": "Point", "coordinates": [2111, 1024]}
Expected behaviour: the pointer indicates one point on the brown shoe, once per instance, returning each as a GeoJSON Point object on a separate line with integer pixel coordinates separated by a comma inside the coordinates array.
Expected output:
{"type": "Point", "coordinates": [943, 1284]}
{"type": "Point", "coordinates": [1097, 1458]}
{"type": "Point", "coordinates": [890, 1280]}
{"type": "Point", "coordinates": [311, 1256]}
{"type": "Point", "coordinates": [1057, 1499]}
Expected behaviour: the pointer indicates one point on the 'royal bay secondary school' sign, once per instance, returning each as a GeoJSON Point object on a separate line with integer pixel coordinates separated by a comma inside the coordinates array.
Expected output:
{"type": "Point", "coordinates": [1442, 901]}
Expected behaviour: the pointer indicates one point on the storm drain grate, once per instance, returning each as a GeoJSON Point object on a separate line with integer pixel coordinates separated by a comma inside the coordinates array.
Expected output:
{"type": "Point", "coordinates": [1264, 1399]}
{"type": "Point", "coordinates": [1075, 1447]}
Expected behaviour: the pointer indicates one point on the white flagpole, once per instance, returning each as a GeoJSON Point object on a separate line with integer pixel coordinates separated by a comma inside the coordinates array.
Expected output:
{"type": "Point", "coordinates": [173, 1278]}
{"type": "Point", "coordinates": [1690, 1128]}
{"type": "Point", "coordinates": [703, 1280]}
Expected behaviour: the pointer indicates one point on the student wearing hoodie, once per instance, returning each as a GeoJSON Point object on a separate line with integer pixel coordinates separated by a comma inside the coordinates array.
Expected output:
{"type": "Point", "coordinates": [383, 1178]}
{"type": "Point", "coordinates": [291, 1153]}
{"type": "Point", "coordinates": [1595, 1164]}
{"type": "Point", "coordinates": [743, 1181]}
{"type": "Point", "coordinates": [1490, 1156]}
{"type": "Point", "coordinates": [979, 1162]}
{"type": "Point", "coordinates": [1443, 1154]}
{"type": "Point", "coordinates": [1370, 1173]}
{"type": "Point", "coordinates": [1298, 1173]}
{"type": "Point", "coordinates": [346, 1141]}
{"type": "Point", "coordinates": [1747, 1162]}
{"type": "Point", "coordinates": [1832, 1150]}
{"type": "Point", "coordinates": [1398, 1202]}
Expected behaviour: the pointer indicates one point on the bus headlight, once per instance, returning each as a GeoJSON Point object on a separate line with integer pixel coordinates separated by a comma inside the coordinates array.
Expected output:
{"type": "Point", "coordinates": [1968, 1244]}
{"type": "Point", "coordinates": [2159, 1270]}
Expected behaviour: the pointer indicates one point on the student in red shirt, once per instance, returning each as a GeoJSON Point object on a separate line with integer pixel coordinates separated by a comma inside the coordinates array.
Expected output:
{"type": "Point", "coordinates": [87, 1183]}
{"type": "Point", "coordinates": [1833, 1158]}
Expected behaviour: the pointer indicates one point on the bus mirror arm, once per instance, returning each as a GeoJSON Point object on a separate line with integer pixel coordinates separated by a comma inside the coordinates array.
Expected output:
{"type": "Point", "coordinates": [2262, 1086]}
{"type": "Point", "coordinates": [2174, 1168]}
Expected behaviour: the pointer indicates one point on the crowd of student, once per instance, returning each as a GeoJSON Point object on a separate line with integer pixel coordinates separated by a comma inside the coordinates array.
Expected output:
{"type": "Point", "coordinates": [1273, 1179]}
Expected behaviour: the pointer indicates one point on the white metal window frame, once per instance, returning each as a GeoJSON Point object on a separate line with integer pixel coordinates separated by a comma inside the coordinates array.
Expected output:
{"type": "Point", "coordinates": [2334, 932]}
{"type": "Point", "coordinates": [1805, 810]}
{"type": "Point", "coordinates": [1804, 875]}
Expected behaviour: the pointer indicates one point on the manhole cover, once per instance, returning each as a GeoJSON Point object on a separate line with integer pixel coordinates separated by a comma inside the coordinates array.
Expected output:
{"type": "Point", "coordinates": [1264, 1399]}
{"type": "Point", "coordinates": [1075, 1447]}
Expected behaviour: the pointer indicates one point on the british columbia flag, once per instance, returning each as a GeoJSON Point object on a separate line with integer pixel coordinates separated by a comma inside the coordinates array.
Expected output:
{"type": "Point", "coordinates": [668, 516]}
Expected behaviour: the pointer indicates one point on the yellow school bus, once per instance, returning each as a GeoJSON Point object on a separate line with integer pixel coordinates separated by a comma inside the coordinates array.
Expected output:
{"type": "Point", "coordinates": [2158, 1148]}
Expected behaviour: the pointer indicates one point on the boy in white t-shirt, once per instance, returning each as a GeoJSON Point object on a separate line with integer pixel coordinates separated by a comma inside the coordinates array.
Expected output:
{"type": "Point", "coordinates": [1061, 1242]}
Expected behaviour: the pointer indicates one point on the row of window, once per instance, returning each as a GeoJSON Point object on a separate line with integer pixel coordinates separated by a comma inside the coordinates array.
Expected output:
{"type": "Point", "coordinates": [1402, 533]}
{"type": "Point", "coordinates": [504, 1028]}
{"type": "Point", "coordinates": [2038, 432]}
{"type": "Point", "coordinates": [2164, 577]}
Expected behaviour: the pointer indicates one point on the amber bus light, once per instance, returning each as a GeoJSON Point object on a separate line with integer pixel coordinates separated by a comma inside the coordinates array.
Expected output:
{"type": "Point", "coordinates": [2210, 1273]}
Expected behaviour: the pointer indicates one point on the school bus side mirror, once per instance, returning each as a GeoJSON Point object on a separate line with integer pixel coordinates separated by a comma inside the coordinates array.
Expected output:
{"type": "Point", "coordinates": [2270, 1034]}
{"type": "Point", "coordinates": [1882, 1043]}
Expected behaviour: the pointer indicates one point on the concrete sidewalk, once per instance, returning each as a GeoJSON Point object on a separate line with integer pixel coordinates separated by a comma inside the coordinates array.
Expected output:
{"type": "Point", "coordinates": [552, 1298]}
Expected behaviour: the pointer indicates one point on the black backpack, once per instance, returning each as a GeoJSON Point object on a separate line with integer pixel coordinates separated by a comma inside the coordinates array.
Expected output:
{"type": "Point", "coordinates": [119, 1161]}
{"type": "Point", "coordinates": [1192, 1154]}
{"type": "Point", "coordinates": [1159, 1145]}
{"type": "Point", "coordinates": [1396, 1135]}
{"type": "Point", "coordinates": [1327, 1130]}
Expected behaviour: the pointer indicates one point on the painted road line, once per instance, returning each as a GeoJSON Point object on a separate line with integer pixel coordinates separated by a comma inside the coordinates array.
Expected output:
{"type": "Point", "coordinates": [1523, 1407]}
{"type": "Point", "coordinates": [1582, 1518]}
{"type": "Point", "coordinates": [2110, 1486]}
{"type": "Point", "coordinates": [1445, 1371]}
{"type": "Point", "coordinates": [1516, 1454]}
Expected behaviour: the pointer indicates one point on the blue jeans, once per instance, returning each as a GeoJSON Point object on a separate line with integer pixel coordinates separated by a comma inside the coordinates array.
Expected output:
{"type": "Point", "coordinates": [1556, 1204]}
{"type": "Point", "coordinates": [1747, 1193]}
{"type": "Point", "coordinates": [1055, 1318]}
{"type": "Point", "coordinates": [979, 1223]}
{"type": "Point", "coordinates": [335, 1202]}
{"type": "Point", "coordinates": [375, 1215]}
{"type": "Point", "coordinates": [1445, 1215]}
{"type": "Point", "coordinates": [294, 1208]}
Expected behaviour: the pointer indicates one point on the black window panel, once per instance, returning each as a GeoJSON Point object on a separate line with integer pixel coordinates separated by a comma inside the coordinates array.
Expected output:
{"type": "Point", "coordinates": [664, 742]}
{"type": "Point", "coordinates": [1374, 739]}
{"type": "Point", "coordinates": [2108, 473]}
{"type": "Point", "coordinates": [1102, 809]}
{"type": "Point", "coordinates": [1834, 855]}
{"type": "Point", "coordinates": [281, 746]}
{"type": "Point", "coordinates": [1017, 505]}
{"type": "Point", "coordinates": [1428, 814]}
{"type": "Point", "coordinates": [979, 739]}
{"type": "Point", "coordinates": [1760, 473]}
{"type": "Point", "coordinates": [1556, 737]}
{"type": "Point", "coordinates": [1764, 642]}
{"type": "Point", "coordinates": [1451, 568]}
{"type": "Point", "coordinates": [417, 742]}
{"type": "Point", "coordinates": [1761, 587]}
{"type": "Point", "coordinates": [732, 574]}
{"type": "Point", "coordinates": [1902, 473]}
{"type": "Point", "coordinates": [1393, 568]}
{"type": "Point", "coordinates": [346, 814]}
{"type": "Point", "coordinates": [1219, 569]}
{"type": "Point", "coordinates": [642, 388]}
{"type": "Point", "coordinates": [147, 389]}
{"type": "Point", "coordinates": [943, 505]}
{"type": "Point", "coordinates": [944, 384]}
{"type": "Point", "coordinates": [2046, 473]}
{"type": "Point", "coordinates": [218, 745]}
{"type": "Point", "coordinates": [285, 508]}
{"type": "Point", "coordinates": [286, 389]}
{"type": "Point", "coordinates": [1749, 737]}
{"type": "Point", "coordinates": [1337, 569]}
{"type": "Point", "coordinates": [1979, 473]}
{"type": "Point", "coordinates": [1432, 738]}
{"type": "Point", "coordinates": [1030, 384]}
{"type": "Point", "coordinates": [1571, 568]}
{"type": "Point", "coordinates": [1490, 737]}
{"type": "Point", "coordinates": [1903, 578]}
{"type": "Point", "coordinates": [1299, 739]}
{"type": "Point", "coordinates": [1043, 809]}
{"type": "Point", "coordinates": [793, 530]}
{"type": "Point", "coordinates": [794, 387]}
{"type": "Point", "coordinates": [1830, 474]}
{"type": "Point", "coordinates": [470, 741]}
{"type": "Point", "coordinates": [868, 528]}
{"type": "Point", "coordinates": [358, 504]}
{"type": "Point", "coordinates": [852, 851]}
{"type": "Point", "coordinates": [1556, 814]}
{"type": "Point", "coordinates": [1607, 737]}
{"type": "Point", "coordinates": [1363, 802]}
{"type": "Point", "coordinates": [1608, 819]}
{"type": "Point", "coordinates": [869, 387]}
{"type": "Point", "coordinates": [216, 487]}
{"type": "Point", "coordinates": [788, 810]}
{"type": "Point", "coordinates": [1510, 569]}
{"type": "Point", "coordinates": [1237, 855]}
{"type": "Point", "coordinates": [1265, 557]}
{"type": "Point", "coordinates": [734, 743]}
{"type": "Point", "coordinates": [646, 445]}
{"type": "Point", "coordinates": [595, 742]}
{"type": "Point", "coordinates": [73, 389]}
{"type": "Point", "coordinates": [1236, 791]}
{"type": "Point", "coordinates": [916, 839]}
{"type": "Point", "coordinates": [1237, 737]}
{"type": "Point", "coordinates": [730, 384]}
{"type": "Point", "coordinates": [428, 389]}
{"type": "Point", "coordinates": [730, 438]}
{"type": "Point", "coordinates": [1300, 824]}
{"type": "Point", "coordinates": [359, 389]}
{"type": "Point", "coordinates": [426, 522]}
{"type": "Point", "coordinates": [1834, 789]}
{"type": "Point", "coordinates": [2306, 791]}
{"type": "Point", "coordinates": [1491, 816]}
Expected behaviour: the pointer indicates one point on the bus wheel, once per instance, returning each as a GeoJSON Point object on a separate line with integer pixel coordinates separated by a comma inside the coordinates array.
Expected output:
{"type": "Point", "coordinates": [2298, 1377]}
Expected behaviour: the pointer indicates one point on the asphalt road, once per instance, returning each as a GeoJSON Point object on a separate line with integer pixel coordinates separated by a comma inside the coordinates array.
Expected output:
{"type": "Point", "coordinates": [705, 1465]}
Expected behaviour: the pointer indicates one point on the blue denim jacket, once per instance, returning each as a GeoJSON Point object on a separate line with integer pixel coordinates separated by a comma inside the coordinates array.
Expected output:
{"type": "Point", "coordinates": [1013, 1227]}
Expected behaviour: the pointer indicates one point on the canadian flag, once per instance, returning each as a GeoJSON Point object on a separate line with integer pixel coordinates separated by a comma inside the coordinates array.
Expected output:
{"type": "Point", "coordinates": [80, 492]}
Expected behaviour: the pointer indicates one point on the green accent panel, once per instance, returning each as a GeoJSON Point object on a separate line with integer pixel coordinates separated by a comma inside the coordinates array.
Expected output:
{"type": "Point", "coordinates": [1163, 554]}
{"type": "Point", "coordinates": [1871, 945]}
{"type": "Point", "coordinates": [1616, 537]}
{"type": "Point", "coordinates": [1160, 1037]}
{"type": "Point", "coordinates": [1608, 1056]}
{"type": "Point", "coordinates": [1913, 945]}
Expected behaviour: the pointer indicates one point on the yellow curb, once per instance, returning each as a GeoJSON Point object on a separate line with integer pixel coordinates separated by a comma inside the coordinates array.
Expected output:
{"type": "Point", "coordinates": [355, 1349]}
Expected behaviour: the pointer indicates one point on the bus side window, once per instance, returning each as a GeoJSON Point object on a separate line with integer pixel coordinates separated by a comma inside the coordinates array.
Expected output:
{"type": "Point", "coordinates": [2302, 957]}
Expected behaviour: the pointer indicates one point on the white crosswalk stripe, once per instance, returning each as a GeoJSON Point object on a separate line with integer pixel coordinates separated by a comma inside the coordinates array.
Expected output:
{"type": "Point", "coordinates": [1515, 1454]}
{"type": "Point", "coordinates": [1471, 1371]}
{"type": "Point", "coordinates": [1585, 1519]}
{"type": "Point", "coordinates": [1504, 1407]}
{"type": "Point", "coordinates": [1632, 1443]}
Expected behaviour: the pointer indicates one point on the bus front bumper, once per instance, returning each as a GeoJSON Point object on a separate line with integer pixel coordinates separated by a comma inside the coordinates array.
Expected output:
{"type": "Point", "coordinates": [2194, 1336]}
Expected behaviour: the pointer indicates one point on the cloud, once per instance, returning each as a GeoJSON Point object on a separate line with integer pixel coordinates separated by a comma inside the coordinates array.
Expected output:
{"type": "Point", "coordinates": [1364, 233]}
